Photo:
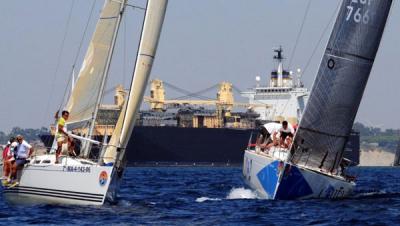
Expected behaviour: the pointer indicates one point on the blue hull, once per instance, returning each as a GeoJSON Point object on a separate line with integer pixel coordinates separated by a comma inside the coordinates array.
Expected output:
{"type": "Point", "coordinates": [274, 179]}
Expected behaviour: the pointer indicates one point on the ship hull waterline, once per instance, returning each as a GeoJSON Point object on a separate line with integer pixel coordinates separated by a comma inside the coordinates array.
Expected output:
{"type": "Point", "coordinates": [273, 179]}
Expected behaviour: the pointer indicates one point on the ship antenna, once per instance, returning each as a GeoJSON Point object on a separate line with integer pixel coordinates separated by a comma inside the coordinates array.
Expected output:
{"type": "Point", "coordinates": [279, 55]}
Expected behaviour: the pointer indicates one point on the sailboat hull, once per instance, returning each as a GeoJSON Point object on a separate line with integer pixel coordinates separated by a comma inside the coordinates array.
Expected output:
{"type": "Point", "coordinates": [68, 183]}
{"type": "Point", "coordinates": [274, 179]}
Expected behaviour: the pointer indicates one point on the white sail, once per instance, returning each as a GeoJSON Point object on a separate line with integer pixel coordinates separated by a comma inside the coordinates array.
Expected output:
{"type": "Point", "coordinates": [110, 153]}
{"type": "Point", "coordinates": [89, 85]}
{"type": "Point", "coordinates": [155, 13]}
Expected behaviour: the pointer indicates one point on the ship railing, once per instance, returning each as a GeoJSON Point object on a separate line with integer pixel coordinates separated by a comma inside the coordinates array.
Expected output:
{"type": "Point", "coordinates": [96, 154]}
{"type": "Point", "coordinates": [273, 152]}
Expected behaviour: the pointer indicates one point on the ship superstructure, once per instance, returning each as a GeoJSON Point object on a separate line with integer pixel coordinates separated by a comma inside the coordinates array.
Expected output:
{"type": "Point", "coordinates": [285, 94]}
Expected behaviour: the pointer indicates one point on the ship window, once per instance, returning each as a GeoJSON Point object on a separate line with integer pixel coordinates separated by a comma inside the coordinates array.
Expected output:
{"type": "Point", "coordinates": [46, 161]}
{"type": "Point", "coordinates": [37, 161]}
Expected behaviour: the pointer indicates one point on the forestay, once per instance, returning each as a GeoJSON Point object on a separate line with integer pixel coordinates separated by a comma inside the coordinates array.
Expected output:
{"type": "Point", "coordinates": [338, 88]}
{"type": "Point", "coordinates": [83, 100]}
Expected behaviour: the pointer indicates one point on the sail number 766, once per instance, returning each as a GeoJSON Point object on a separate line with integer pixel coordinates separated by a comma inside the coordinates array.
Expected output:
{"type": "Point", "coordinates": [356, 14]}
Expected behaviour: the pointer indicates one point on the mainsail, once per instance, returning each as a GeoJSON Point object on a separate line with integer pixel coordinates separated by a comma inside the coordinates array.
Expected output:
{"type": "Point", "coordinates": [155, 13]}
{"type": "Point", "coordinates": [338, 88]}
{"type": "Point", "coordinates": [89, 86]}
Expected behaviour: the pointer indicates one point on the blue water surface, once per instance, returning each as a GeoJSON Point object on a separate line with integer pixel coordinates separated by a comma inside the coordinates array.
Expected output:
{"type": "Point", "coordinates": [218, 196]}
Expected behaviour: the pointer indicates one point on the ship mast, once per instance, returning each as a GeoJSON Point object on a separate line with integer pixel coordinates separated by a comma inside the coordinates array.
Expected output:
{"type": "Point", "coordinates": [280, 77]}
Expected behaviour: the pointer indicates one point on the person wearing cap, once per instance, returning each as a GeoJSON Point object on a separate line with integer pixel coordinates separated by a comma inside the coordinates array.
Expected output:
{"type": "Point", "coordinates": [61, 136]}
{"type": "Point", "coordinates": [23, 151]}
{"type": "Point", "coordinates": [8, 160]}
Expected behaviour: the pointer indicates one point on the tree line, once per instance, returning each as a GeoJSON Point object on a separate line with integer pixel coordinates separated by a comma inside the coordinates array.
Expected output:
{"type": "Point", "coordinates": [29, 134]}
{"type": "Point", "coordinates": [388, 138]}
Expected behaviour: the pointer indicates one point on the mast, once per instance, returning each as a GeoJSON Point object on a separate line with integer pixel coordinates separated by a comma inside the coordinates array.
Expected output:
{"type": "Point", "coordinates": [86, 146]}
{"type": "Point", "coordinates": [339, 85]}
{"type": "Point", "coordinates": [152, 25]}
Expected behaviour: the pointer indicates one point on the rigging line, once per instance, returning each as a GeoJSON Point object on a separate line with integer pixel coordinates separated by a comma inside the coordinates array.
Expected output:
{"type": "Point", "coordinates": [84, 32]}
{"type": "Point", "coordinates": [188, 93]}
{"type": "Point", "coordinates": [299, 34]}
{"type": "Point", "coordinates": [235, 88]}
{"type": "Point", "coordinates": [197, 94]}
{"type": "Point", "coordinates": [193, 96]}
{"type": "Point", "coordinates": [135, 7]}
{"type": "Point", "coordinates": [131, 80]}
{"type": "Point", "coordinates": [322, 36]}
{"type": "Point", "coordinates": [68, 91]}
{"type": "Point", "coordinates": [88, 106]}
{"type": "Point", "coordinates": [124, 20]}
{"type": "Point", "coordinates": [59, 60]}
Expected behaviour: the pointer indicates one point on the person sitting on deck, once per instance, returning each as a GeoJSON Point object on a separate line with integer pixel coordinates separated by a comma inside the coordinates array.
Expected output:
{"type": "Point", "coordinates": [285, 131]}
{"type": "Point", "coordinates": [61, 136]}
{"type": "Point", "coordinates": [8, 160]}
{"type": "Point", "coordinates": [288, 141]}
{"type": "Point", "coordinates": [23, 151]}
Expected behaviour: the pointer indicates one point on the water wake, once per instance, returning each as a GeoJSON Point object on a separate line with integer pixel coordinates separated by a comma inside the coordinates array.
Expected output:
{"type": "Point", "coordinates": [234, 193]}
{"type": "Point", "coordinates": [242, 193]}
{"type": "Point", "coordinates": [203, 199]}
{"type": "Point", "coordinates": [375, 194]}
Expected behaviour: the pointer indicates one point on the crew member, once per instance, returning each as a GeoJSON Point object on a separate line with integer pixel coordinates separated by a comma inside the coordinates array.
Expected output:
{"type": "Point", "coordinates": [23, 151]}
{"type": "Point", "coordinates": [8, 160]}
{"type": "Point", "coordinates": [62, 136]}
{"type": "Point", "coordinates": [268, 135]}
{"type": "Point", "coordinates": [286, 133]}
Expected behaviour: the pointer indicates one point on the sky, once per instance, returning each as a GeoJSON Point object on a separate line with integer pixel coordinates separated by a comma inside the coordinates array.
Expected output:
{"type": "Point", "coordinates": [202, 43]}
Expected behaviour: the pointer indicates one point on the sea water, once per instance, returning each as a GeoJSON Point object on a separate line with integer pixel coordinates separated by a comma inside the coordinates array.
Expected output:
{"type": "Point", "coordinates": [218, 196]}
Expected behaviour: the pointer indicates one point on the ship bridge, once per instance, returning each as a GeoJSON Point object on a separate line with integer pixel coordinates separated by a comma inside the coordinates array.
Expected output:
{"type": "Point", "coordinates": [284, 92]}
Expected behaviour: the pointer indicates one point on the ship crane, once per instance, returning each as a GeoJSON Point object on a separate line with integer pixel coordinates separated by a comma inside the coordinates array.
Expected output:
{"type": "Point", "coordinates": [224, 101]}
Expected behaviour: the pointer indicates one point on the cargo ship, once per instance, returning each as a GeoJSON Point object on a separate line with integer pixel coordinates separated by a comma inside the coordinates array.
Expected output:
{"type": "Point", "coordinates": [185, 132]}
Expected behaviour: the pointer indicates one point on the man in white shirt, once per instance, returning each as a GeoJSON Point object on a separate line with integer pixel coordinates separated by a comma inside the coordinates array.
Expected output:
{"type": "Point", "coordinates": [268, 135]}
{"type": "Point", "coordinates": [274, 134]}
{"type": "Point", "coordinates": [23, 151]}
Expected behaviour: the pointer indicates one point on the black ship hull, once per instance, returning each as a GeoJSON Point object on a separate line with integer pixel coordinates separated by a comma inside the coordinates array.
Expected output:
{"type": "Point", "coordinates": [151, 145]}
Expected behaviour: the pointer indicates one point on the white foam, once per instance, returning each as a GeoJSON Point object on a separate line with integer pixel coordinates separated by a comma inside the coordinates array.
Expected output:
{"type": "Point", "coordinates": [241, 193]}
{"type": "Point", "coordinates": [124, 203]}
{"type": "Point", "coordinates": [203, 199]}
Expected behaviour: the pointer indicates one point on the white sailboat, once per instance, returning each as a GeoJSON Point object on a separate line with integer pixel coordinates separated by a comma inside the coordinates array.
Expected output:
{"type": "Point", "coordinates": [79, 180]}
{"type": "Point", "coordinates": [313, 166]}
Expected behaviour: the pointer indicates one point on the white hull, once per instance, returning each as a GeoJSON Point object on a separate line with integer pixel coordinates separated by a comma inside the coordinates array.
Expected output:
{"type": "Point", "coordinates": [274, 179]}
{"type": "Point", "coordinates": [74, 181]}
